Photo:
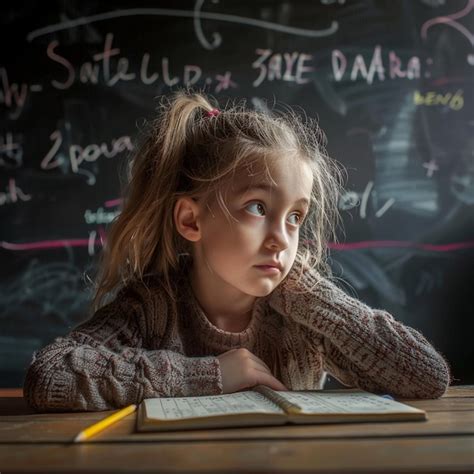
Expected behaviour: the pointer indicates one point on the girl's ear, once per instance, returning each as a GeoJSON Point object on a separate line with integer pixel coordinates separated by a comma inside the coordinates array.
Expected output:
{"type": "Point", "coordinates": [186, 218]}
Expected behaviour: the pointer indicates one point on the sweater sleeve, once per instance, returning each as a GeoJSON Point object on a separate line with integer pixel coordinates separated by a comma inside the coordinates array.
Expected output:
{"type": "Point", "coordinates": [102, 364]}
{"type": "Point", "coordinates": [363, 347]}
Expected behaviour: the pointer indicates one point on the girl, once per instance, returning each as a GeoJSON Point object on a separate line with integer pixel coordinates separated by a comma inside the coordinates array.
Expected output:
{"type": "Point", "coordinates": [214, 277]}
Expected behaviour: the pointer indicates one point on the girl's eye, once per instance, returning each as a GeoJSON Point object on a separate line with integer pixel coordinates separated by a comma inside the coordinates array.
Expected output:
{"type": "Point", "coordinates": [255, 204]}
{"type": "Point", "coordinates": [260, 206]}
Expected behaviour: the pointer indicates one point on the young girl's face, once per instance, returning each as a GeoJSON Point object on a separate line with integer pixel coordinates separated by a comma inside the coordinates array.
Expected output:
{"type": "Point", "coordinates": [265, 230]}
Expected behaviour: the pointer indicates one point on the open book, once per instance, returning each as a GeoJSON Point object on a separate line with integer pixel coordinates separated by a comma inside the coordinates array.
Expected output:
{"type": "Point", "coordinates": [263, 406]}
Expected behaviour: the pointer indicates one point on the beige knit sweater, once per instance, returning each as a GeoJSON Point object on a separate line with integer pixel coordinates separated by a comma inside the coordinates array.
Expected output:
{"type": "Point", "coordinates": [136, 347]}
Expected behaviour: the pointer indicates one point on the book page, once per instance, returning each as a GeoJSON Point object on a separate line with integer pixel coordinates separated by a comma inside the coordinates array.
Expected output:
{"type": "Point", "coordinates": [178, 408]}
{"type": "Point", "coordinates": [322, 401]}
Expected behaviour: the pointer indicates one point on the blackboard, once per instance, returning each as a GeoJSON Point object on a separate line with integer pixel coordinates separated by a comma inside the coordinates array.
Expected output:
{"type": "Point", "coordinates": [391, 83]}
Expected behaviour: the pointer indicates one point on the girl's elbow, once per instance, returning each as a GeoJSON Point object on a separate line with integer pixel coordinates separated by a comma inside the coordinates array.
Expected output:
{"type": "Point", "coordinates": [440, 391]}
{"type": "Point", "coordinates": [437, 386]}
{"type": "Point", "coordinates": [444, 380]}
{"type": "Point", "coordinates": [34, 390]}
{"type": "Point", "coordinates": [47, 390]}
{"type": "Point", "coordinates": [445, 377]}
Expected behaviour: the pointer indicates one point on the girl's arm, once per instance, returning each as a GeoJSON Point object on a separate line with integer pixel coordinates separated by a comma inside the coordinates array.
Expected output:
{"type": "Point", "coordinates": [102, 365]}
{"type": "Point", "coordinates": [363, 347]}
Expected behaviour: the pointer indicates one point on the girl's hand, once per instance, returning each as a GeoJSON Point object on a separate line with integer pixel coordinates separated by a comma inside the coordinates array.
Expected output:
{"type": "Point", "coordinates": [240, 369]}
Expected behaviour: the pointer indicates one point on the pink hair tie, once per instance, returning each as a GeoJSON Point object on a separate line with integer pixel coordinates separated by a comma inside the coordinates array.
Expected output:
{"type": "Point", "coordinates": [213, 113]}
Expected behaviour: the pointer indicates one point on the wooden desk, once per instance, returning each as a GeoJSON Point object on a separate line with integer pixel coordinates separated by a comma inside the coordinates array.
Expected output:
{"type": "Point", "coordinates": [42, 443]}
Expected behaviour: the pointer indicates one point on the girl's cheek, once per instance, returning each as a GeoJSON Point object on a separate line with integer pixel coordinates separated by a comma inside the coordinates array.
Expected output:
{"type": "Point", "coordinates": [246, 218]}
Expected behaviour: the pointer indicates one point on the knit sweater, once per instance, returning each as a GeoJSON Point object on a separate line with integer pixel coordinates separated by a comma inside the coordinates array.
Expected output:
{"type": "Point", "coordinates": [137, 347]}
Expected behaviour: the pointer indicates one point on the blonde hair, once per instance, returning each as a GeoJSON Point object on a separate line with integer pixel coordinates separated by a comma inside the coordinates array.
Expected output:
{"type": "Point", "coordinates": [185, 152]}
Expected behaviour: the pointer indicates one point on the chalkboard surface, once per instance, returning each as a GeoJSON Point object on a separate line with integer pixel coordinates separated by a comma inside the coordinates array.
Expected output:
{"type": "Point", "coordinates": [390, 81]}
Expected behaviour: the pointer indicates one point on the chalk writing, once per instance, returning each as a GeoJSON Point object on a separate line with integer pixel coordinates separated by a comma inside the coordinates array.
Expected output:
{"type": "Point", "coordinates": [100, 216]}
{"type": "Point", "coordinates": [286, 67]}
{"type": "Point", "coordinates": [377, 66]}
{"type": "Point", "coordinates": [13, 194]}
{"type": "Point", "coordinates": [12, 95]}
{"type": "Point", "coordinates": [196, 15]}
{"type": "Point", "coordinates": [77, 154]}
{"type": "Point", "coordinates": [11, 151]}
{"type": "Point", "coordinates": [107, 67]}
{"type": "Point", "coordinates": [351, 199]}
{"type": "Point", "coordinates": [454, 101]}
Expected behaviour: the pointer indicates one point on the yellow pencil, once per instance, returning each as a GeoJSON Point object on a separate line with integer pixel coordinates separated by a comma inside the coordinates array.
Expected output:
{"type": "Point", "coordinates": [102, 424]}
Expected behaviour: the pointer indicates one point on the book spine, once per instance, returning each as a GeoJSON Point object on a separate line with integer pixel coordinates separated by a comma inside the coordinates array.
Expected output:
{"type": "Point", "coordinates": [282, 402]}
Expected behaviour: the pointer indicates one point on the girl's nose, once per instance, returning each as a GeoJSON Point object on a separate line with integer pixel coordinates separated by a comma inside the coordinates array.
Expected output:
{"type": "Point", "coordinates": [277, 239]}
